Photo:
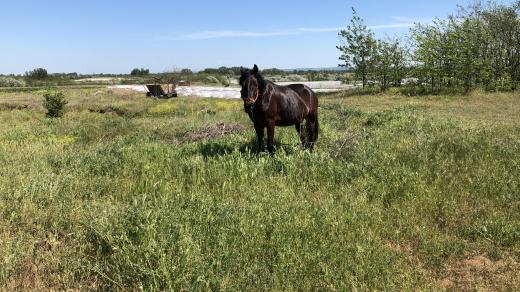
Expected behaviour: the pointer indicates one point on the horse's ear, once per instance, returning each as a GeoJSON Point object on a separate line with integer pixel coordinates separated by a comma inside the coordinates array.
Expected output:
{"type": "Point", "coordinates": [242, 70]}
{"type": "Point", "coordinates": [255, 69]}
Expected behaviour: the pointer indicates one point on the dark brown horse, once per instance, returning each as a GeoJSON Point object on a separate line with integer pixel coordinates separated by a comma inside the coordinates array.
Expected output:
{"type": "Point", "coordinates": [269, 105]}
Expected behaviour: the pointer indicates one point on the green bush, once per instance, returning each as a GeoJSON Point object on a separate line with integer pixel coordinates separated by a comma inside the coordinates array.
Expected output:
{"type": "Point", "coordinates": [223, 80]}
{"type": "Point", "coordinates": [11, 82]}
{"type": "Point", "coordinates": [212, 79]}
{"type": "Point", "coordinates": [55, 103]}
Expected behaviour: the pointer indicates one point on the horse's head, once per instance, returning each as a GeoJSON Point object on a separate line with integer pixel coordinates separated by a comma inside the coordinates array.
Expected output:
{"type": "Point", "coordinates": [250, 82]}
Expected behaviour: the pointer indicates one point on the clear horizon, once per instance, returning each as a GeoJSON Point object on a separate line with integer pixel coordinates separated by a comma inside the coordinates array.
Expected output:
{"type": "Point", "coordinates": [113, 38]}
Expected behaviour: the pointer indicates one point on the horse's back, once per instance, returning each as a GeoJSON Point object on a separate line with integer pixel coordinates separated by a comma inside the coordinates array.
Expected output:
{"type": "Point", "coordinates": [306, 94]}
{"type": "Point", "coordinates": [291, 108]}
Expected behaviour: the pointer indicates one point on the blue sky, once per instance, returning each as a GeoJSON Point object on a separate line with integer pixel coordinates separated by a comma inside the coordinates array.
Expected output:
{"type": "Point", "coordinates": [115, 36]}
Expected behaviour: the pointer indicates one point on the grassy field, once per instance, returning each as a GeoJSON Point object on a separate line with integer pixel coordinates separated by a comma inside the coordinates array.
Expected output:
{"type": "Point", "coordinates": [129, 193]}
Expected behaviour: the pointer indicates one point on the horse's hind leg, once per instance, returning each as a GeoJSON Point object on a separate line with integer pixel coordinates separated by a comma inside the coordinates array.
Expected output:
{"type": "Point", "coordinates": [303, 137]}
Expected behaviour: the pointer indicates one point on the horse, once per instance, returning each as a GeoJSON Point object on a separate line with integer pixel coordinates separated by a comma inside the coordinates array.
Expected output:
{"type": "Point", "coordinates": [270, 105]}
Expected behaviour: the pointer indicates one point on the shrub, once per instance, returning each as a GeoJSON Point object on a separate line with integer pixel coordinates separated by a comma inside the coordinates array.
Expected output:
{"type": "Point", "coordinates": [55, 103]}
{"type": "Point", "coordinates": [212, 79]}
{"type": "Point", "coordinates": [295, 78]}
{"type": "Point", "coordinates": [11, 82]}
{"type": "Point", "coordinates": [316, 76]}
{"type": "Point", "coordinates": [394, 91]}
{"type": "Point", "coordinates": [223, 80]}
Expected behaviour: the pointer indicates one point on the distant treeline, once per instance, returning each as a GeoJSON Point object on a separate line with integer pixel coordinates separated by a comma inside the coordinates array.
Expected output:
{"type": "Point", "coordinates": [235, 71]}
{"type": "Point", "coordinates": [41, 73]}
{"type": "Point", "coordinates": [478, 47]}
{"type": "Point", "coordinates": [224, 76]}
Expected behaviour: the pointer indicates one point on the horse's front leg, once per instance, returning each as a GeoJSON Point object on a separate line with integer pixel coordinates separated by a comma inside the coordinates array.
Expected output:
{"type": "Point", "coordinates": [270, 137]}
{"type": "Point", "coordinates": [260, 136]}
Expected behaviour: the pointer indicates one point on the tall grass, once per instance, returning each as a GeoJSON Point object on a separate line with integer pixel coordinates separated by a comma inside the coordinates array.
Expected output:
{"type": "Point", "coordinates": [392, 198]}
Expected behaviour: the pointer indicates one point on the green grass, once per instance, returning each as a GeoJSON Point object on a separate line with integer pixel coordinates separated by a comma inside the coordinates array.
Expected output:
{"type": "Point", "coordinates": [400, 194]}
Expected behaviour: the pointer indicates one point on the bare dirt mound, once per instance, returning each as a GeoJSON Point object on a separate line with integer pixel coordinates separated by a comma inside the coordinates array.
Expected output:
{"type": "Point", "coordinates": [212, 132]}
{"type": "Point", "coordinates": [482, 273]}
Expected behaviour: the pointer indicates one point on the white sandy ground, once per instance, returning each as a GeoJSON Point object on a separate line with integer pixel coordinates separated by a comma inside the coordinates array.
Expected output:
{"type": "Point", "coordinates": [99, 79]}
{"type": "Point", "coordinates": [233, 92]}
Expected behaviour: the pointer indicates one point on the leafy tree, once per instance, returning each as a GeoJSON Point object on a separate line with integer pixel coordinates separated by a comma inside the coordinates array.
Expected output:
{"type": "Point", "coordinates": [382, 64]}
{"type": "Point", "coordinates": [389, 63]}
{"type": "Point", "coordinates": [398, 62]}
{"type": "Point", "coordinates": [427, 40]}
{"type": "Point", "coordinates": [38, 73]}
{"type": "Point", "coordinates": [479, 46]}
{"type": "Point", "coordinates": [359, 48]}
{"type": "Point", "coordinates": [469, 53]}
{"type": "Point", "coordinates": [503, 25]}
{"type": "Point", "coordinates": [140, 72]}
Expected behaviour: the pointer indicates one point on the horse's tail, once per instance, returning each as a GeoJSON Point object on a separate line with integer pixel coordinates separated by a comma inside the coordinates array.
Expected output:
{"type": "Point", "coordinates": [317, 123]}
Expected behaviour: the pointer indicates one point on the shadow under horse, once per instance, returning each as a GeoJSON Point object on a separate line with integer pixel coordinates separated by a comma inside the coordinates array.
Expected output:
{"type": "Point", "coordinates": [270, 105]}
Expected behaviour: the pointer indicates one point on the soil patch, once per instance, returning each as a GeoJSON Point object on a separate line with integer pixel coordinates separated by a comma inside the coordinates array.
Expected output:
{"type": "Point", "coordinates": [481, 273]}
{"type": "Point", "coordinates": [212, 131]}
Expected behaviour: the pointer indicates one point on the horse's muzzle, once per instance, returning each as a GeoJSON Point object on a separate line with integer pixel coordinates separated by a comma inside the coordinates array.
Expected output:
{"type": "Point", "coordinates": [250, 101]}
{"type": "Point", "coordinates": [247, 107]}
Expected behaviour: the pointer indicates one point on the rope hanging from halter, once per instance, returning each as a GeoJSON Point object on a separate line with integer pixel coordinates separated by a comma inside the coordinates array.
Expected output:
{"type": "Point", "coordinates": [257, 95]}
